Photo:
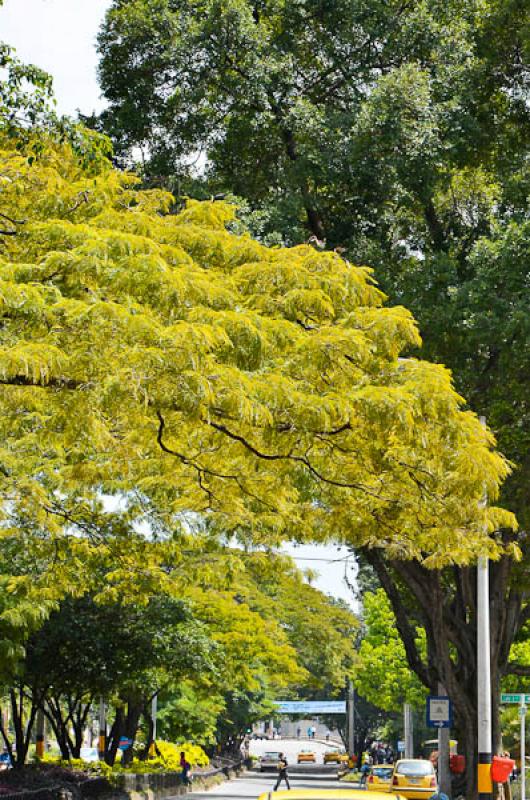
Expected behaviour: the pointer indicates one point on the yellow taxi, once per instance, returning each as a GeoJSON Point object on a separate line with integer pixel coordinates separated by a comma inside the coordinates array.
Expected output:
{"type": "Point", "coordinates": [379, 778]}
{"type": "Point", "coordinates": [335, 757]}
{"type": "Point", "coordinates": [306, 757]}
{"type": "Point", "coordinates": [326, 794]}
{"type": "Point", "coordinates": [414, 778]}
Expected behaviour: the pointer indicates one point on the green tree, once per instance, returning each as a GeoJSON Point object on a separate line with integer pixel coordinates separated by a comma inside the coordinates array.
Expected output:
{"type": "Point", "coordinates": [25, 91]}
{"type": "Point", "coordinates": [125, 653]}
{"type": "Point", "coordinates": [414, 158]}
{"type": "Point", "coordinates": [321, 629]}
{"type": "Point", "coordinates": [121, 342]}
{"type": "Point", "coordinates": [162, 360]}
{"type": "Point", "coordinates": [382, 675]}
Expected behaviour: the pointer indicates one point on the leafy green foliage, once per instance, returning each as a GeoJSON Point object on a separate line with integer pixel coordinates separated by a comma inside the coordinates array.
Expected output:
{"type": "Point", "coordinates": [382, 674]}
{"type": "Point", "coordinates": [322, 630]}
{"type": "Point", "coordinates": [105, 650]}
{"type": "Point", "coordinates": [395, 131]}
{"type": "Point", "coordinates": [25, 91]}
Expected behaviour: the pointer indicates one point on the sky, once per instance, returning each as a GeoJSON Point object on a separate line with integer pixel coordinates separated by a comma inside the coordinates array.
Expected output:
{"type": "Point", "coordinates": [60, 37]}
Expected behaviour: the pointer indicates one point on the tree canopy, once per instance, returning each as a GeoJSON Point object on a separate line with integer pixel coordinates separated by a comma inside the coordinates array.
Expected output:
{"type": "Point", "coordinates": [159, 358]}
{"type": "Point", "coordinates": [396, 131]}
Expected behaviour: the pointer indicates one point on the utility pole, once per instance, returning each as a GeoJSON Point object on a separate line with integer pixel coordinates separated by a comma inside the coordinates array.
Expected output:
{"type": "Point", "coordinates": [522, 714]}
{"type": "Point", "coordinates": [485, 784]}
{"type": "Point", "coordinates": [351, 719]}
{"type": "Point", "coordinates": [408, 730]}
{"type": "Point", "coordinates": [102, 730]}
{"type": "Point", "coordinates": [444, 736]}
{"type": "Point", "coordinates": [154, 712]}
{"type": "Point", "coordinates": [39, 751]}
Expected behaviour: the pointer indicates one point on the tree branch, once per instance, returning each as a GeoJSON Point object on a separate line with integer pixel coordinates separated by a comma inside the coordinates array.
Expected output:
{"type": "Point", "coordinates": [517, 669]}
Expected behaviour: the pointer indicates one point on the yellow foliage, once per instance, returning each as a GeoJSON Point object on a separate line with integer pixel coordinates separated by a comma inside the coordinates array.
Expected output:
{"type": "Point", "coordinates": [158, 356]}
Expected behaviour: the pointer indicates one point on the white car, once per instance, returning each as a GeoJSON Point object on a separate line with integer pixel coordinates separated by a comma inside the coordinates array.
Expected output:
{"type": "Point", "coordinates": [269, 761]}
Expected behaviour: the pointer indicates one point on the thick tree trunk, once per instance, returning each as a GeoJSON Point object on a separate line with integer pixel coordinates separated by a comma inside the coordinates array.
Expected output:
{"type": "Point", "coordinates": [23, 713]}
{"type": "Point", "coordinates": [444, 604]}
{"type": "Point", "coordinates": [113, 739]}
{"type": "Point", "coordinates": [135, 707]}
{"type": "Point", "coordinates": [65, 714]}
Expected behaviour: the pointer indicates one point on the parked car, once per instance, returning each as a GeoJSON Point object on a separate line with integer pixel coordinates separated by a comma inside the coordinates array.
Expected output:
{"type": "Point", "coordinates": [379, 779]}
{"type": "Point", "coordinates": [269, 761]}
{"type": "Point", "coordinates": [306, 757]}
{"type": "Point", "coordinates": [414, 778]}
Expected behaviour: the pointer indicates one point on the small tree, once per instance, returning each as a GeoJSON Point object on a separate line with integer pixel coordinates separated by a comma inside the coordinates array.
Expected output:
{"type": "Point", "coordinates": [122, 652]}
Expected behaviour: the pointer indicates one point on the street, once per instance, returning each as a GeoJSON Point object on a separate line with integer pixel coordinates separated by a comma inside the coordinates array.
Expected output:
{"type": "Point", "coordinates": [291, 747]}
{"type": "Point", "coordinates": [252, 784]}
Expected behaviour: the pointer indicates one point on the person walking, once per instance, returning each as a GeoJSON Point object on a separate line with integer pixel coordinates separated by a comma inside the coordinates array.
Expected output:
{"type": "Point", "coordinates": [282, 772]}
{"type": "Point", "coordinates": [185, 767]}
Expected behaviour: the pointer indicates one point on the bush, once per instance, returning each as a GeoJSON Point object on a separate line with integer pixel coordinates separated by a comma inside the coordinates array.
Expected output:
{"type": "Point", "coordinates": [169, 760]}
{"type": "Point", "coordinates": [170, 754]}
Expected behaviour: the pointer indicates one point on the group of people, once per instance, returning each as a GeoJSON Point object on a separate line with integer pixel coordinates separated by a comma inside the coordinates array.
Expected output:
{"type": "Point", "coordinates": [310, 732]}
{"type": "Point", "coordinates": [380, 753]}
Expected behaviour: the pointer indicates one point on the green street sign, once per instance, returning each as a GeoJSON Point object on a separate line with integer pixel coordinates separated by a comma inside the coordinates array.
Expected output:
{"type": "Point", "coordinates": [515, 698]}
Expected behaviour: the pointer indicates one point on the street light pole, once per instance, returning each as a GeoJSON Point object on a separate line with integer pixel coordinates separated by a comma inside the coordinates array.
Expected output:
{"type": "Point", "coordinates": [444, 748]}
{"type": "Point", "coordinates": [522, 714]}
{"type": "Point", "coordinates": [408, 734]}
{"type": "Point", "coordinates": [351, 718]}
{"type": "Point", "coordinates": [102, 729]}
{"type": "Point", "coordinates": [485, 784]}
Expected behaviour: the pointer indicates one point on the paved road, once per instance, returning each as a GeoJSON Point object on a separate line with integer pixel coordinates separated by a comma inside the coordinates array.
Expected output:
{"type": "Point", "coordinates": [252, 784]}
{"type": "Point", "coordinates": [306, 776]}
{"type": "Point", "coordinates": [291, 747]}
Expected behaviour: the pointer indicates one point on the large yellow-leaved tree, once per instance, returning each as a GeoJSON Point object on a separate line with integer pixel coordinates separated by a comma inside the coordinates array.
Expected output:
{"type": "Point", "coordinates": [158, 357]}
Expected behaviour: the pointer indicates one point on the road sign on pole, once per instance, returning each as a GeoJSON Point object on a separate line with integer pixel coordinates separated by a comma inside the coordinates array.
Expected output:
{"type": "Point", "coordinates": [515, 698]}
{"type": "Point", "coordinates": [439, 712]}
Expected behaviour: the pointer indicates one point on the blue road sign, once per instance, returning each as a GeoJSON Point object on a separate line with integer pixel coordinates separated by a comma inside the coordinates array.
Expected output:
{"type": "Point", "coordinates": [439, 712]}
{"type": "Point", "coordinates": [310, 706]}
{"type": "Point", "coordinates": [124, 743]}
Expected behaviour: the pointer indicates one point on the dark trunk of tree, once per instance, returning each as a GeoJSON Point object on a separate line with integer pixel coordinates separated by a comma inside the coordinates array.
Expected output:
{"type": "Point", "coordinates": [113, 739]}
{"type": "Point", "coordinates": [444, 604]}
{"type": "Point", "coordinates": [23, 713]}
{"type": "Point", "coordinates": [150, 733]}
{"type": "Point", "coordinates": [126, 725]}
{"type": "Point", "coordinates": [66, 714]}
{"type": "Point", "coordinates": [135, 707]}
{"type": "Point", "coordinates": [314, 218]}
